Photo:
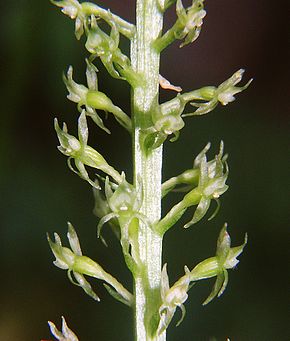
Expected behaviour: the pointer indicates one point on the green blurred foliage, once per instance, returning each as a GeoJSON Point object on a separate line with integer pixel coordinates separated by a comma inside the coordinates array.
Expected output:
{"type": "Point", "coordinates": [39, 193]}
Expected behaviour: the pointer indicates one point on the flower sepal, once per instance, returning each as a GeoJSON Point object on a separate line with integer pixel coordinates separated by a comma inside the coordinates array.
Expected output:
{"type": "Point", "coordinates": [66, 334]}
{"type": "Point", "coordinates": [73, 9]}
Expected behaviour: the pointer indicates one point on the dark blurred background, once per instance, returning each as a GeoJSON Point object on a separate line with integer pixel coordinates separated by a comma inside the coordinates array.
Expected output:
{"type": "Point", "coordinates": [39, 194]}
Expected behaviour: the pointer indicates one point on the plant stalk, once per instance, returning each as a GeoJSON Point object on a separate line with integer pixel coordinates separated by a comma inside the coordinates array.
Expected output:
{"type": "Point", "coordinates": [147, 168]}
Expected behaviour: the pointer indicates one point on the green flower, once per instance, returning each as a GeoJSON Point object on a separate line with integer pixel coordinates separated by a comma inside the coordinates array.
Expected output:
{"type": "Point", "coordinates": [224, 94]}
{"type": "Point", "coordinates": [124, 204]}
{"type": "Point", "coordinates": [225, 259]}
{"type": "Point", "coordinates": [93, 99]}
{"type": "Point", "coordinates": [73, 261]}
{"type": "Point", "coordinates": [190, 20]}
{"type": "Point", "coordinates": [172, 298]}
{"type": "Point", "coordinates": [211, 184]}
{"type": "Point", "coordinates": [188, 180]}
{"type": "Point", "coordinates": [187, 26]}
{"type": "Point", "coordinates": [82, 154]}
{"type": "Point", "coordinates": [204, 183]}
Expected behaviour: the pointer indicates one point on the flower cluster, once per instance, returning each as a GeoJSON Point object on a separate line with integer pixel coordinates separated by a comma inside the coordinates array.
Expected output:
{"type": "Point", "coordinates": [106, 47]}
{"type": "Point", "coordinates": [188, 180]}
{"type": "Point", "coordinates": [189, 20]}
{"type": "Point", "coordinates": [172, 298]}
{"type": "Point", "coordinates": [211, 184]}
{"type": "Point", "coordinates": [121, 203]}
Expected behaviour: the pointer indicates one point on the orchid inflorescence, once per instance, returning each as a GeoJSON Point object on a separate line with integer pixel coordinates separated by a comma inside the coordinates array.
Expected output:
{"type": "Point", "coordinates": [120, 204]}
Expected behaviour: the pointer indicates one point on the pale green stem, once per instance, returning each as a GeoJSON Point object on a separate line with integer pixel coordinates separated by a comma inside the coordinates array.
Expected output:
{"type": "Point", "coordinates": [147, 168]}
